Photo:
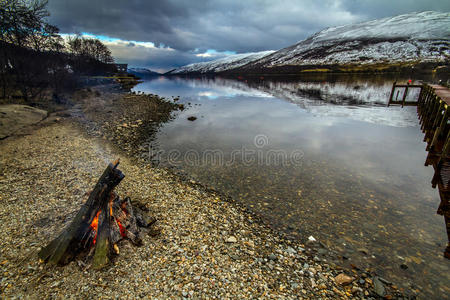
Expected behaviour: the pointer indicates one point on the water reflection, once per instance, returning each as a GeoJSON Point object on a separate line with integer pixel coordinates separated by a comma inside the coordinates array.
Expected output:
{"type": "Point", "coordinates": [361, 188]}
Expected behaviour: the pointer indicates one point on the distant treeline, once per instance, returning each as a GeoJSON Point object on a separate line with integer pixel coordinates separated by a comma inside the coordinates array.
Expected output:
{"type": "Point", "coordinates": [35, 58]}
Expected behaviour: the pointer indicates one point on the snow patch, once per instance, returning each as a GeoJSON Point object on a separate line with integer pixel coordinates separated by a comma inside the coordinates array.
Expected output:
{"type": "Point", "coordinates": [223, 64]}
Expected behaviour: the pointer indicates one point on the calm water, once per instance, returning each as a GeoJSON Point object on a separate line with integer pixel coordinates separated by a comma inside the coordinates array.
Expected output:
{"type": "Point", "coordinates": [322, 157]}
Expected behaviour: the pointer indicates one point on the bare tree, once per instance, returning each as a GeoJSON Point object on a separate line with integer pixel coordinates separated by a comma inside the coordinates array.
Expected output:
{"type": "Point", "coordinates": [33, 56]}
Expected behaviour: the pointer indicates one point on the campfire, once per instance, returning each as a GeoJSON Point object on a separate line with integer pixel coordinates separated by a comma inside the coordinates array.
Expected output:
{"type": "Point", "coordinates": [99, 225]}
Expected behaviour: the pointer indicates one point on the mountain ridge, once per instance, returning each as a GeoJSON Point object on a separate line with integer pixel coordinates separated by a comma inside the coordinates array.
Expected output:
{"type": "Point", "coordinates": [414, 42]}
{"type": "Point", "coordinates": [220, 65]}
{"type": "Point", "coordinates": [143, 72]}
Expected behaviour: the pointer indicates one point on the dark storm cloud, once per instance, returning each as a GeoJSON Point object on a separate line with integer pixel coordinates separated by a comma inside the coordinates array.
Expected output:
{"type": "Point", "coordinates": [240, 26]}
{"type": "Point", "coordinates": [223, 25]}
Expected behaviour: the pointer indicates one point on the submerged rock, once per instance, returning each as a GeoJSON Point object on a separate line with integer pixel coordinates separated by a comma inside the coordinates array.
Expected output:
{"type": "Point", "coordinates": [379, 287]}
{"type": "Point", "coordinates": [291, 250]}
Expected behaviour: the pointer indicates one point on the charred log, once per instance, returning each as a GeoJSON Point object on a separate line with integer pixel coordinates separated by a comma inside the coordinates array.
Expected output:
{"type": "Point", "coordinates": [101, 222]}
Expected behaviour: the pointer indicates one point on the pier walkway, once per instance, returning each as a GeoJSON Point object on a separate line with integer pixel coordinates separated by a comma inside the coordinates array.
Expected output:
{"type": "Point", "coordinates": [433, 108]}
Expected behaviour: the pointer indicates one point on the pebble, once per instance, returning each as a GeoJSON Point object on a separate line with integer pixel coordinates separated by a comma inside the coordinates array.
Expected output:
{"type": "Point", "coordinates": [322, 251]}
{"type": "Point", "coordinates": [343, 279]}
{"type": "Point", "coordinates": [291, 250]}
{"type": "Point", "coordinates": [231, 239]}
{"type": "Point", "coordinates": [363, 250]}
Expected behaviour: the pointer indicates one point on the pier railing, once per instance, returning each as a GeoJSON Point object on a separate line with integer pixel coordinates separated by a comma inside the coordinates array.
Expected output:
{"type": "Point", "coordinates": [405, 89]}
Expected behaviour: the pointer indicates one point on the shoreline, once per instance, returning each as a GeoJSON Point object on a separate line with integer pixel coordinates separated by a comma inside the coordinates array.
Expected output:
{"type": "Point", "coordinates": [260, 259]}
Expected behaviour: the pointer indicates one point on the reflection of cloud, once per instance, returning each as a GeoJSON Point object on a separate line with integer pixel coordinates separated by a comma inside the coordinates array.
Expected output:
{"type": "Point", "coordinates": [205, 94]}
{"type": "Point", "coordinates": [208, 87]}
{"type": "Point", "coordinates": [361, 100]}
{"type": "Point", "coordinates": [209, 95]}
{"type": "Point", "coordinates": [352, 135]}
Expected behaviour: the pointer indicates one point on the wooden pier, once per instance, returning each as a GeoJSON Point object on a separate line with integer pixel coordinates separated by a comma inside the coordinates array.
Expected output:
{"type": "Point", "coordinates": [433, 108]}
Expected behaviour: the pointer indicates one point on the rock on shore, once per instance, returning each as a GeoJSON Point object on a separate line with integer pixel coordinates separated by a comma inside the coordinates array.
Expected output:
{"type": "Point", "coordinates": [14, 117]}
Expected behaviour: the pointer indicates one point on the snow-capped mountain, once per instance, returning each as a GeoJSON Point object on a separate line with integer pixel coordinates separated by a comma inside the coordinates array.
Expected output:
{"type": "Point", "coordinates": [411, 39]}
{"type": "Point", "coordinates": [143, 72]}
{"type": "Point", "coordinates": [220, 65]}
{"type": "Point", "coordinates": [414, 37]}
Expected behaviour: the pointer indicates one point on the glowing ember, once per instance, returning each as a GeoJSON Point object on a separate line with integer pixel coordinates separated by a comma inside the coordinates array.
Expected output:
{"type": "Point", "coordinates": [122, 229]}
{"type": "Point", "coordinates": [94, 226]}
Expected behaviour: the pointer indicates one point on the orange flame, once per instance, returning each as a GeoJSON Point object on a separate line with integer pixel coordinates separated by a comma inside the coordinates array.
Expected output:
{"type": "Point", "coordinates": [122, 229]}
{"type": "Point", "coordinates": [94, 226]}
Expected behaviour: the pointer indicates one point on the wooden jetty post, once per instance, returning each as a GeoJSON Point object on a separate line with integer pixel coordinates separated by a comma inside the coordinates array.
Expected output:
{"type": "Point", "coordinates": [392, 93]}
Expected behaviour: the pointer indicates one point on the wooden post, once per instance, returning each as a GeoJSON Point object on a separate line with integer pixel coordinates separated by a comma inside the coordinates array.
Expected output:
{"type": "Point", "coordinates": [392, 93]}
{"type": "Point", "coordinates": [419, 99]}
{"type": "Point", "coordinates": [447, 226]}
{"type": "Point", "coordinates": [432, 107]}
{"type": "Point", "coordinates": [404, 94]}
{"type": "Point", "coordinates": [437, 117]}
{"type": "Point", "coordinates": [445, 148]}
{"type": "Point", "coordinates": [439, 129]}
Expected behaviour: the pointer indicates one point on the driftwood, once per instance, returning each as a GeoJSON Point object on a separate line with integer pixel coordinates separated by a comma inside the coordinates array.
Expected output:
{"type": "Point", "coordinates": [101, 222]}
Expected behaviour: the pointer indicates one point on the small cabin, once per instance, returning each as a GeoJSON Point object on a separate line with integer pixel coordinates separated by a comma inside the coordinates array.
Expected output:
{"type": "Point", "coordinates": [121, 68]}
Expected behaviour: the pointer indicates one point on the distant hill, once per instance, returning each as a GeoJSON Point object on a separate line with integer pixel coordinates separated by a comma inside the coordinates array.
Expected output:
{"type": "Point", "coordinates": [220, 65]}
{"type": "Point", "coordinates": [415, 40]}
{"type": "Point", "coordinates": [142, 72]}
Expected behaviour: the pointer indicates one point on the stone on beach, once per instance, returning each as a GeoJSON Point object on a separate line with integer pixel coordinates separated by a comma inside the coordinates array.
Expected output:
{"type": "Point", "coordinates": [343, 279]}
{"type": "Point", "coordinates": [231, 239]}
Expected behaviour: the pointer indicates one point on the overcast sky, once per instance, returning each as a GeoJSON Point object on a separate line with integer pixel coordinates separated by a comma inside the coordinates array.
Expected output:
{"type": "Point", "coordinates": [164, 34]}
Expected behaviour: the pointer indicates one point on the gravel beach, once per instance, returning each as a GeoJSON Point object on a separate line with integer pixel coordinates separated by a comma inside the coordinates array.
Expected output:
{"type": "Point", "coordinates": [204, 246]}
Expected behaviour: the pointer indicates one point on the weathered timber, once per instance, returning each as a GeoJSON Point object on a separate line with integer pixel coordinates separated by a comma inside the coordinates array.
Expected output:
{"type": "Point", "coordinates": [102, 221]}
{"type": "Point", "coordinates": [70, 242]}
{"type": "Point", "coordinates": [102, 246]}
